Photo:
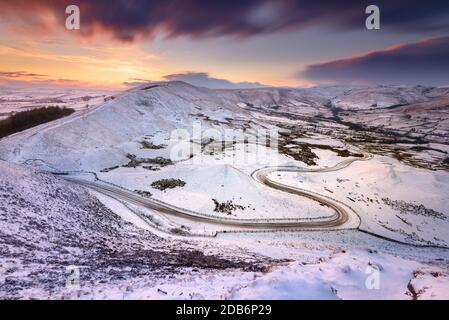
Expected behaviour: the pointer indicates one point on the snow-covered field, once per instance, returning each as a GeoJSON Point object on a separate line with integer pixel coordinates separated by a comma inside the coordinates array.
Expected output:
{"type": "Point", "coordinates": [220, 182]}
{"type": "Point", "coordinates": [15, 99]}
{"type": "Point", "coordinates": [128, 249]}
{"type": "Point", "coordinates": [392, 200]}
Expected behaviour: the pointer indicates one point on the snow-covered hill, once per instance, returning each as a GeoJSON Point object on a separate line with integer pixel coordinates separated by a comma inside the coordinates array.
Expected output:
{"type": "Point", "coordinates": [94, 139]}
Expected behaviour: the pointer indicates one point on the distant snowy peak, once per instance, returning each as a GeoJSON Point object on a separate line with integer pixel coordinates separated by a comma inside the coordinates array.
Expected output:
{"type": "Point", "coordinates": [383, 97]}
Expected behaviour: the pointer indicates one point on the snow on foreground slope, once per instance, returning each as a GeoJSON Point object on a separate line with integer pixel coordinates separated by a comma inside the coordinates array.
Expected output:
{"type": "Point", "coordinates": [47, 224]}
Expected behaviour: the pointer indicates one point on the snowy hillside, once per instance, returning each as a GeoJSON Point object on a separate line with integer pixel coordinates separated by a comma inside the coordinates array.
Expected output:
{"type": "Point", "coordinates": [95, 138]}
{"type": "Point", "coordinates": [92, 140]}
{"type": "Point", "coordinates": [47, 225]}
{"type": "Point", "coordinates": [380, 97]}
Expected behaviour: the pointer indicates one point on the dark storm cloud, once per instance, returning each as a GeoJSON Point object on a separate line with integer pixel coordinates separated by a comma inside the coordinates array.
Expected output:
{"type": "Point", "coordinates": [202, 79]}
{"type": "Point", "coordinates": [127, 19]}
{"type": "Point", "coordinates": [424, 62]}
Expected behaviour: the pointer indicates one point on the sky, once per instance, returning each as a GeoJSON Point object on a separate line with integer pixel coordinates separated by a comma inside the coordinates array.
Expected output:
{"type": "Point", "coordinates": [224, 44]}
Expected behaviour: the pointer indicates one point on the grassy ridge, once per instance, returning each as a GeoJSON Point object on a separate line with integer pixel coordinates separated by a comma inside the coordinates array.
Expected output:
{"type": "Point", "coordinates": [27, 119]}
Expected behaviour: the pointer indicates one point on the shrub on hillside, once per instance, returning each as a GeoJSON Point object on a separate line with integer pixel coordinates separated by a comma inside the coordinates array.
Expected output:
{"type": "Point", "coordinates": [167, 184]}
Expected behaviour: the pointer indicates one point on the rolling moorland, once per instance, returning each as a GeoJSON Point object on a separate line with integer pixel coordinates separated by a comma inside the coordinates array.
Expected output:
{"type": "Point", "coordinates": [357, 183]}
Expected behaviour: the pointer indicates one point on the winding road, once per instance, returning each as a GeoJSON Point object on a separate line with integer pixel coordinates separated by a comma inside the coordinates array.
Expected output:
{"type": "Point", "coordinates": [344, 217]}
